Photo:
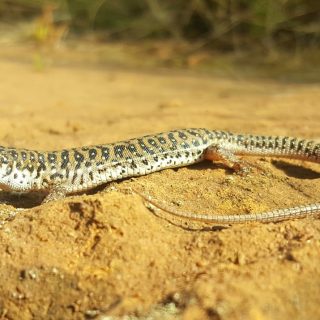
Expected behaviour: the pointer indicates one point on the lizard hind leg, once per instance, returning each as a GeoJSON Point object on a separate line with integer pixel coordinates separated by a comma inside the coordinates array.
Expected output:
{"type": "Point", "coordinates": [228, 158]}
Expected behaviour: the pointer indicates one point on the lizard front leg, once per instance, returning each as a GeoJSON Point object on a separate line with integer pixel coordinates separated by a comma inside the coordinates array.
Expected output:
{"type": "Point", "coordinates": [56, 192]}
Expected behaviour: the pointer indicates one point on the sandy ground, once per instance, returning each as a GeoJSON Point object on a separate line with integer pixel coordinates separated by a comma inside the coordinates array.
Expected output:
{"type": "Point", "coordinates": [104, 255]}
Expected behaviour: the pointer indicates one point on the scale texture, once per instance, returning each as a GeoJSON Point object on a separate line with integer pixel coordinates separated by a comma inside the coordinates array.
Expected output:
{"type": "Point", "coordinates": [72, 170]}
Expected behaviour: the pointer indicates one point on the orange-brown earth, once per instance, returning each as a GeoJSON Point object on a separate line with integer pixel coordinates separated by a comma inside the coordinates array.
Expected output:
{"type": "Point", "coordinates": [105, 254]}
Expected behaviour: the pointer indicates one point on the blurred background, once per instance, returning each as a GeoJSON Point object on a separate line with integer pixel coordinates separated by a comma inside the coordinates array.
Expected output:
{"type": "Point", "coordinates": [267, 37]}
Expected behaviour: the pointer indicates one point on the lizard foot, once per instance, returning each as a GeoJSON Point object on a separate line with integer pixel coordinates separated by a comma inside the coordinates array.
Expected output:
{"type": "Point", "coordinates": [55, 194]}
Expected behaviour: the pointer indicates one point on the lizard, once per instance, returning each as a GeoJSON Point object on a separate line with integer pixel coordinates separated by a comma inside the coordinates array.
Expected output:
{"type": "Point", "coordinates": [68, 171]}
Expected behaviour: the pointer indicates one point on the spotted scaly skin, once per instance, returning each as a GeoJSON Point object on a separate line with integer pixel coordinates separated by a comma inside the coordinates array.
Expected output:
{"type": "Point", "coordinates": [72, 170]}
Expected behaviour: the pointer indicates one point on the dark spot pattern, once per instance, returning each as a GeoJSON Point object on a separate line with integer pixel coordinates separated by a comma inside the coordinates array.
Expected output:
{"type": "Point", "coordinates": [30, 167]}
{"type": "Point", "coordinates": [4, 159]}
{"type": "Point", "coordinates": [64, 159]}
{"type": "Point", "coordinates": [196, 143]}
{"type": "Point", "coordinates": [309, 148]}
{"type": "Point", "coordinates": [105, 152]}
{"type": "Point", "coordinates": [182, 135]}
{"type": "Point", "coordinates": [41, 157]}
{"type": "Point", "coordinates": [301, 145]}
{"type": "Point", "coordinates": [14, 154]}
{"type": "Point", "coordinates": [316, 151]}
{"type": "Point", "coordinates": [172, 138]}
{"type": "Point", "coordinates": [41, 164]}
{"type": "Point", "coordinates": [152, 142]}
{"type": "Point", "coordinates": [194, 132]}
{"type": "Point", "coordinates": [185, 145]}
{"type": "Point", "coordinates": [67, 172]}
{"type": "Point", "coordinates": [293, 143]}
{"type": "Point", "coordinates": [162, 140]}
{"type": "Point", "coordinates": [132, 148]}
{"type": "Point", "coordinates": [52, 158]}
{"type": "Point", "coordinates": [285, 140]}
{"type": "Point", "coordinates": [144, 147]}
{"type": "Point", "coordinates": [133, 165]}
{"type": "Point", "coordinates": [39, 170]}
{"type": "Point", "coordinates": [92, 153]}
{"type": "Point", "coordinates": [75, 175]}
{"type": "Point", "coordinates": [118, 151]}
{"type": "Point", "coordinates": [9, 169]}
{"type": "Point", "coordinates": [56, 175]}
{"type": "Point", "coordinates": [23, 155]}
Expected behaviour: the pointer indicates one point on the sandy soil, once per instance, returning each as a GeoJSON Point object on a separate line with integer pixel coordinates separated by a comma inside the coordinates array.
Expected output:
{"type": "Point", "coordinates": [105, 254]}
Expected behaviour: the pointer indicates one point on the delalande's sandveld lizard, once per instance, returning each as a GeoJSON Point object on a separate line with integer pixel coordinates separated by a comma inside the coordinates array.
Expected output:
{"type": "Point", "coordinates": [73, 170]}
